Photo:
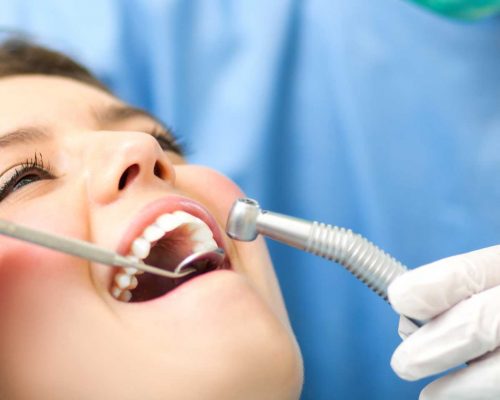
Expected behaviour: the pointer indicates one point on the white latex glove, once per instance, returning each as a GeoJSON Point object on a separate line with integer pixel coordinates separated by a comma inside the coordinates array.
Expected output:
{"type": "Point", "coordinates": [462, 297]}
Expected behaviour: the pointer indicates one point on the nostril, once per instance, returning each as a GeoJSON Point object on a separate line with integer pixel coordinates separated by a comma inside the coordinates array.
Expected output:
{"type": "Point", "coordinates": [128, 176]}
{"type": "Point", "coordinates": [158, 170]}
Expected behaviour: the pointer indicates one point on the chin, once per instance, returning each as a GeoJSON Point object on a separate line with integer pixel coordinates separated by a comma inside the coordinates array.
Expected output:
{"type": "Point", "coordinates": [228, 344]}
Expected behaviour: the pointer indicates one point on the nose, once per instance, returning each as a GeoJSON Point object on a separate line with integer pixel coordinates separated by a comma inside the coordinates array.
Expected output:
{"type": "Point", "coordinates": [118, 162]}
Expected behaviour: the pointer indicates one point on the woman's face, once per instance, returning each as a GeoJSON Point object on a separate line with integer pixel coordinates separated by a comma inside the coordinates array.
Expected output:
{"type": "Point", "coordinates": [76, 162]}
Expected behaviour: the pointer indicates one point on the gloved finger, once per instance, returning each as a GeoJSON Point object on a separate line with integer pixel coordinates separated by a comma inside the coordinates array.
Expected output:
{"type": "Point", "coordinates": [463, 333]}
{"type": "Point", "coordinates": [477, 381]}
{"type": "Point", "coordinates": [406, 327]}
{"type": "Point", "coordinates": [427, 291]}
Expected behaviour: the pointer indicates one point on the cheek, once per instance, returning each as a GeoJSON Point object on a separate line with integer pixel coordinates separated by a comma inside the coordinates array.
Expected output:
{"type": "Point", "coordinates": [35, 280]}
{"type": "Point", "coordinates": [209, 187]}
{"type": "Point", "coordinates": [25, 262]}
{"type": "Point", "coordinates": [38, 289]}
{"type": "Point", "coordinates": [218, 193]}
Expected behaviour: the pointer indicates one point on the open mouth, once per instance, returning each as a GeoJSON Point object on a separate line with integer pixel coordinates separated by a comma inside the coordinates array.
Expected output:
{"type": "Point", "coordinates": [164, 244]}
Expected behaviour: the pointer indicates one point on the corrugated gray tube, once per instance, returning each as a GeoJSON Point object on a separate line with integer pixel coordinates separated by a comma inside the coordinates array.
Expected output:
{"type": "Point", "coordinates": [363, 259]}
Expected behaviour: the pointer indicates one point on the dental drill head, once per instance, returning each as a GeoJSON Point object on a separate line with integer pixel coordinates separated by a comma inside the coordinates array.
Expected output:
{"type": "Point", "coordinates": [242, 220]}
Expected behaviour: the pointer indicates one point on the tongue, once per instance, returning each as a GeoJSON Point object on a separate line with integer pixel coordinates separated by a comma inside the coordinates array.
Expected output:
{"type": "Point", "coordinates": [151, 286]}
{"type": "Point", "coordinates": [166, 254]}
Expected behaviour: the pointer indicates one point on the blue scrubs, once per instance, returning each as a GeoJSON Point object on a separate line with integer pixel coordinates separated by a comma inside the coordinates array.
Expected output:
{"type": "Point", "coordinates": [373, 115]}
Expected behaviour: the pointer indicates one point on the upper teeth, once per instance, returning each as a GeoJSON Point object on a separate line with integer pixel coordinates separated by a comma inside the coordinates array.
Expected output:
{"type": "Point", "coordinates": [199, 234]}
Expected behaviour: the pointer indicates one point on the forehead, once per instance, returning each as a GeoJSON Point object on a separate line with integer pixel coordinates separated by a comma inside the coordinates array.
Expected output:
{"type": "Point", "coordinates": [49, 100]}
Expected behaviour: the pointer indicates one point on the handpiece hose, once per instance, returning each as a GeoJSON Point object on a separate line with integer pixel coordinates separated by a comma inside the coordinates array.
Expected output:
{"type": "Point", "coordinates": [362, 258]}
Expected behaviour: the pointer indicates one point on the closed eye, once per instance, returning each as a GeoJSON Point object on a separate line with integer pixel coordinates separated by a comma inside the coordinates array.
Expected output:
{"type": "Point", "coordinates": [115, 115]}
{"type": "Point", "coordinates": [167, 141]}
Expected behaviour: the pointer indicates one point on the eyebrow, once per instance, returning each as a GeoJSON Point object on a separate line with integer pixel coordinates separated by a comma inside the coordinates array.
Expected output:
{"type": "Point", "coordinates": [117, 113]}
{"type": "Point", "coordinates": [113, 114]}
{"type": "Point", "coordinates": [24, 135]}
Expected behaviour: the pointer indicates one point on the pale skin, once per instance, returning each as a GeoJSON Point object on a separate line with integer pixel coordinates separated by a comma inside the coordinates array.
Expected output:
{"type": "Point", "coordinates": [224, 335]}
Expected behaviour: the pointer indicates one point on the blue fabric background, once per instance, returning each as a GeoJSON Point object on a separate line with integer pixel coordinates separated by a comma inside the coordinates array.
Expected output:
{"type": "Point", "coordinates": [373, 115]}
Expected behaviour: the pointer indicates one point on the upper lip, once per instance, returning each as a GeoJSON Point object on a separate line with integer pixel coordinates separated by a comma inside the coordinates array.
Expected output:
{"type": "Point", "coordinates": [166, 205]}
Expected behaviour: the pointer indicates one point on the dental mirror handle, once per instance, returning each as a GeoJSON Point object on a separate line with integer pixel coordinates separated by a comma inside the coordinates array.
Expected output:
{"type": "Point", "coordinates": [82, 249]}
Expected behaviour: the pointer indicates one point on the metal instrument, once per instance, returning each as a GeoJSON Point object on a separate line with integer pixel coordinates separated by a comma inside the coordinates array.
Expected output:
{"type": "Point", "coordinates": [92, 252]}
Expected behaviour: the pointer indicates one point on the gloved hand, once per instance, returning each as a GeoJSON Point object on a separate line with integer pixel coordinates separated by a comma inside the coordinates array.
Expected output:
{"type": "Point", "coordinates": [460, 296]}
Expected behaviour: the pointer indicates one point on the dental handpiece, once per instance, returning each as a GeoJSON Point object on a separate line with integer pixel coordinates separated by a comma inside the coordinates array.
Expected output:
{"type": "Point", "coordinates": [363, 259]}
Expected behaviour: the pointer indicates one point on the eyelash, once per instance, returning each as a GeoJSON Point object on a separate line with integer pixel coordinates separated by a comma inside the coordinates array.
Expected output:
{"type": "Point", "coordinates": [166, 142]}
{"type": "Point", "coordinates": [34, 166]}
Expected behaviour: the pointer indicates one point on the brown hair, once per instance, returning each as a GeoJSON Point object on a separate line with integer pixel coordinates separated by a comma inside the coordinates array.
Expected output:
{"type": "Point", "coordinates": [19, 56]}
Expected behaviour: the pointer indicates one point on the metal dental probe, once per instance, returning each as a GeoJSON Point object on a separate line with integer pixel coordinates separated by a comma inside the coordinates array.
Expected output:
{"type": "Point", "coordinates": [92, 252]}
{"type": "Point", "coordinates": [362, 258]}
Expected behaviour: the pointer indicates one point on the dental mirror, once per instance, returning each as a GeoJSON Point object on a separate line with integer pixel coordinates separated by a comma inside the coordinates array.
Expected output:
{"type": "Point", "coordinates": [202, 261]}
